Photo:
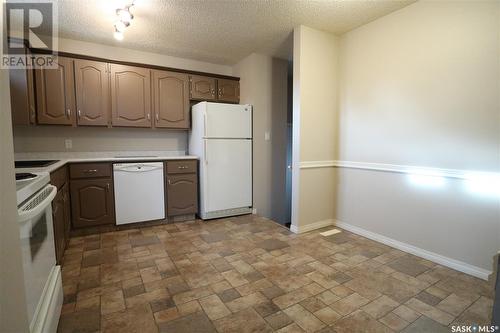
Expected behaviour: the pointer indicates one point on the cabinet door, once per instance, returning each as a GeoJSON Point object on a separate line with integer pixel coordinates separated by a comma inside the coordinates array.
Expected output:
{"type": "Point", "coordinates": [130, 96]}
{"type": "Point", "coordinates": [202, 88]}
{"type": "Point", "coordinates": [92, 93]}
{"type": "Point", "coordinates": [55, 93]}
{"type": "Point", "coordinates": [58, 222]}
{"type": "Point", "coordinates": [92, 202]}
{"type": "Point", "coordinates": [182, 194]}
{"type": "Point", "coordinates": [228, 90]}
{"type": "Point", "coordinates": [171, 99]}
{"type": "Point", "coordinates": [22, 96]}
{"type": "Point", "coordinates": [67, 214]}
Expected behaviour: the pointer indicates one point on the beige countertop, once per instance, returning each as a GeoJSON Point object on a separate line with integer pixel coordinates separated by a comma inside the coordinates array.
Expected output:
{"type": "Point", "coordinates": [112, 156]}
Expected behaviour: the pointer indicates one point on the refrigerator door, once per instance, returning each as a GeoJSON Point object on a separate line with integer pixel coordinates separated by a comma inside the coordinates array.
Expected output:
{"type": "Point", "coordinates": [227, 121]}
{"type": "Point", "coordinates": [227, 174]}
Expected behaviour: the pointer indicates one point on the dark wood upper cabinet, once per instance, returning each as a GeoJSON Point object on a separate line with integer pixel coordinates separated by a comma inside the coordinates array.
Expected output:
{"type": "Point", "coordinates": [22, 96]}
{"type": "Point", "coordinates": [130, 96]}
{"type": "Point", "coordinates": [228, 90]}
{"type": "Point", "coordinates": [171, 99]}
{"type": "Point", "coordinates": [92, 202]}
{"type": "Point", "coordinates": [55, 93]}
{"type": "Point", "coordinates": [202, 88]}
{"type": "Point", "coordinates": [92, 93]}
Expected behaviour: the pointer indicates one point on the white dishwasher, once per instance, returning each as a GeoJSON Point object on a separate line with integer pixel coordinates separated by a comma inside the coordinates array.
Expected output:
{"type": "Point", "coordinates": [139, 192]}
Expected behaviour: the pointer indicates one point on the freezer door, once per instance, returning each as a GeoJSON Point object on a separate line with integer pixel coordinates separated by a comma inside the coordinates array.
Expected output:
{"type": "Point", "coordinates": [228, 121]}
{"type": "Point", "coordinates": [227, 174]}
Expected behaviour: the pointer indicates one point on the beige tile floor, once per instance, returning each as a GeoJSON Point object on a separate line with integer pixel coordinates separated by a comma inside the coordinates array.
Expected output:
{"type": "Point", "coordinates": [248, 274]}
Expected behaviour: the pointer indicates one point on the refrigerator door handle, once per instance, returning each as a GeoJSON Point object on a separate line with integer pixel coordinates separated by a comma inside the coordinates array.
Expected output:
{"type": "Point", "coordinates": [204, 125]}
{"type": "Point", "coordinates": [205, 157]}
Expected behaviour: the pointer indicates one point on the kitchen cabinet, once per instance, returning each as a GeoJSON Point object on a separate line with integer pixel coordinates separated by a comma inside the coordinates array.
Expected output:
{"type": "Point", "coordinates": [92, 93]}
{"type": "Point", "coordinates": [130, 96]}
{"type": "Point", "coordinates": [55, 93]}
{"type": "Point", "coordinates": [170, 99]}
{"type": "Point", "coordinates": [202, 88]}
{"type": "Point", "coordinates": [92, 200]}
{"type": "Point", "coordinates": [61, 211]}
{"type": "Point", "coordinates": [182, 188]}
{"type": "Point", "coordinates": [22, 96]}
{"type": "Point", "coordinates": [228, 91]}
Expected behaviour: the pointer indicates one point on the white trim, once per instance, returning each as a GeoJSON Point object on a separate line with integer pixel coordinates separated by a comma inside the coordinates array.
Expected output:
{"type": "Point", "coordinates": [312, 226]}
{"type": "Point", "coordinates": [407, 169]}
{"type": "Point", "coordinates": [432, 256]}
{"type": "Point", "coordinates": [317, 164]}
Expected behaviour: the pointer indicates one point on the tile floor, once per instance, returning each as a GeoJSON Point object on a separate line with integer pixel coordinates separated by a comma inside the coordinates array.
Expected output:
{"type": "Point", "coordinates": [248, 274]}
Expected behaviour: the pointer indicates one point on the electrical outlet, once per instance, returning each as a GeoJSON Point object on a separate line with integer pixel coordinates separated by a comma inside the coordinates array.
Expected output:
{"type": "Point", "coordinates": [267, 136]}
{"type": "Point", "coordinates": [254, 211]}
{"type": "Point", "coordinates": [68, 143]}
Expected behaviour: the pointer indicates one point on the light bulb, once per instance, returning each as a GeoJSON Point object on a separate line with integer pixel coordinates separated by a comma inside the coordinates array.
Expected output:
{"type": "Point", "coordinates": [120, 26]}
{"type": "Point", "coordinates": [124, 15]}
{"type": "Point", "coordinates": [118, 35]}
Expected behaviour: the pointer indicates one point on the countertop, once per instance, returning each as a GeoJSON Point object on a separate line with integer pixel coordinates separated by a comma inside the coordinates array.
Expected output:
{"type": "Point", "coordinates": [110, 156]}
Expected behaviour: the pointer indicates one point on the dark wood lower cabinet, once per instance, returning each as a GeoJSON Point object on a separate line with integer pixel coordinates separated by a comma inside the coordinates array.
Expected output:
{"type": "Point", "coordinates": [92, 202]}
{"type": "Point", "coordinates": [61, 212]}
{"type": "Point", "coordinates": [58, 222]}
{"type": "Point", "coordinates": [182, 188]}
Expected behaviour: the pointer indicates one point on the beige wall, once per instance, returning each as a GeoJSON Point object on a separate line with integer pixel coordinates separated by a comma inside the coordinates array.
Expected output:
{"type": "Point", "coordinates": [264, 85]}
{"type": "Point", "coordinates": [13, 314]}
{"type": "Point", "coordinates": [85, 139]}
{"type": "Point", "coordinates": [420, 87]}
{"type": "Point", "coordinates": [314, 125]}
{"type": "Point", "coordinates": [39, 139]}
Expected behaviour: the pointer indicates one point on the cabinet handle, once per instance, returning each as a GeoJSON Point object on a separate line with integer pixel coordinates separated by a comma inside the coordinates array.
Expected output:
{"type": "Point", "coordinates": [213, 92]}
{"type": "Point", "coordinates": [168, 181]}
{"type": "Point", "coordinates": [182, 167]}
{"type": "Point", "coordinates": [68, 111]}
{"type": "Point", "coordinates": [149, 116]}
{"type": "Point", "coordinates": [220, 92]}
{"type": "Point", "coordinates": [157, 117]}
{"type": "Point", "coordinates": [90, 170]}
{"type": "Point", "coordinates": [107, 187]}
{"type": "Point", "coordinates": [79, 114]}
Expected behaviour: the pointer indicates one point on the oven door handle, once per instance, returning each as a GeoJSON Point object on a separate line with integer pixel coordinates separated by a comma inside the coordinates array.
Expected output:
{"type": "Point", "coordinates": [26, 213]}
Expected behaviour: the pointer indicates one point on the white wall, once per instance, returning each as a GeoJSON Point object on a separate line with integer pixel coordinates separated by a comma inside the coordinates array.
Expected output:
{"type": "Point", "coordinates": [315, 115]}
{"type": "Point", "coordinates": [40, 138]}
{"type": "Point", "coordinates": [13, 313]}
{"type": "Point", "coordinates": [420, 87]}
{"type": "Point", "coordinates": [263, 83]}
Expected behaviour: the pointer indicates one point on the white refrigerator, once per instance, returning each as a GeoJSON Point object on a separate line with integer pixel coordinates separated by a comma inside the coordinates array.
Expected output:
{"type": "Point", "coordinates": [221, 136]}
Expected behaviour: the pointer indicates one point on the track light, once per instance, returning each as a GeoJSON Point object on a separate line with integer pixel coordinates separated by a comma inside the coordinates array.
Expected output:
{"type": "Point", "coordinates": [118, 35]}
{"type": "Point", "coordinates": [124, 18]}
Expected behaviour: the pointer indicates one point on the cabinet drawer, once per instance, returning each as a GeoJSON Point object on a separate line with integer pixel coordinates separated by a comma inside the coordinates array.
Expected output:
{"type": "Point", "coordinates": [90, 170]}
{"type": "Point", "coordinates": [59, 177]}
{"type": "Point", "coordinates": [181, 167]}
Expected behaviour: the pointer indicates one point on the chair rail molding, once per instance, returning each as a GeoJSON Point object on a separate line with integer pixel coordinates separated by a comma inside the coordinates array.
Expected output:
{"type": "Point", "coordinates": [407, 169]}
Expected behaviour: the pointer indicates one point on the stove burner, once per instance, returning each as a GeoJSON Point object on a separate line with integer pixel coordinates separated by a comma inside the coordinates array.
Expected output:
{"type": "Point", "coordinates": [25, 175]}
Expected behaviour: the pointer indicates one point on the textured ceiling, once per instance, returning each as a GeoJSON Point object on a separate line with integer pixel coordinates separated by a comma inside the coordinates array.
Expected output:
{"type": "Point", "coordinates": [218, 31]}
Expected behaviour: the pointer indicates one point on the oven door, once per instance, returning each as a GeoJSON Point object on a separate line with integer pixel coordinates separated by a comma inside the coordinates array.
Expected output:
{"type": "Point", "coordinates": [37, 243]}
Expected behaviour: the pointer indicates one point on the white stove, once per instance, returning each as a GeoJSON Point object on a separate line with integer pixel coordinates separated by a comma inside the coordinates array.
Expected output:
{"type": "Point", "coordinates": [42, 277]}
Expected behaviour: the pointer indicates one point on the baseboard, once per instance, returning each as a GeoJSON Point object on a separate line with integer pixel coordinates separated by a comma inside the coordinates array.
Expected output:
{"type": "Point", "coordinates": [312, 226]}
{"type": "Point", "coordinates": [49, 309]}
{"type": "Point", "coordinates": [432, 256]}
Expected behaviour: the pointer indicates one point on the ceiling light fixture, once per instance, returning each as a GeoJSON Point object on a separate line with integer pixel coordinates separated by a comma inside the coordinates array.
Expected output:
{"type": "Point", "coordinates": [124, 19]}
